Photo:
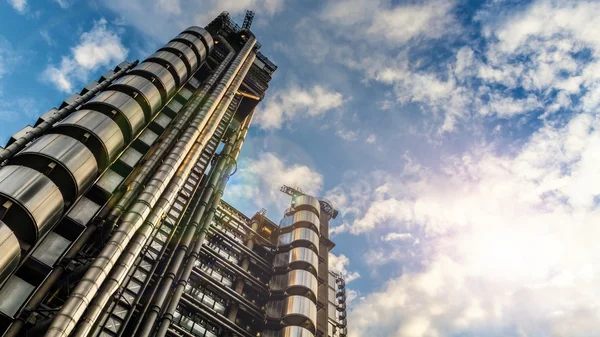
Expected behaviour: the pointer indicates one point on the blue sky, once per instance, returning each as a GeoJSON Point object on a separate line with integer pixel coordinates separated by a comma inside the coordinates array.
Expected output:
{"type": "Point", "coordinates": [459, 140]}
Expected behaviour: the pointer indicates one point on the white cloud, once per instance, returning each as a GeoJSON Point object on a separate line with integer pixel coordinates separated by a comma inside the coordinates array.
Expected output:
{"type": "Point", "coordinates": [378, 20]}
{"type": "Point", "coordinates": [19, 5]}
{"type": "Point", "coordinates": [371, 139]}
{"type": "Point", "coordinates": [506, 241]}
{"type": "Point", "coordinates": [46, 36]}
{"type": "Point", "coordinates": [8, 58]}
{"type": "Point", "coordinates": [13, 109]}
{"type": "Point", "coordinates": [397, 237]}
{"type": "Point", "coordinates": [290, 103]}
{"type": "Point", "coordinates": [100, 47]}
{"type": "Point", "coordinates": [258, 181]}
{"type": "Point", "coordinates": [163, 19]}
{"type": "Point", "coordinates": [533, 49]}
{"type": "Point", "coordinates": [347, 135]}
{"type": "Point", "coordinates": [339, 264]}
{"type": "Point", "coordinates": [64, 4]}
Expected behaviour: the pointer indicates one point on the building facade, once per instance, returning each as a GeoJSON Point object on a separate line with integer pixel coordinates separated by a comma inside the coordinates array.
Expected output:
{"type": "Point", "coordinates": [111, 218]}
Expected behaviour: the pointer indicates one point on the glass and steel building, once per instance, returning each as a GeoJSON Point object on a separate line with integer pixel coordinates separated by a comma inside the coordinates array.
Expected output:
{"type": "Point", "coordinates": [111, 218]}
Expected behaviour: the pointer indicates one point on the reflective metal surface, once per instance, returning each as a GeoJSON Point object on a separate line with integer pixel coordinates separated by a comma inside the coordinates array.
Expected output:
{"type": "Point", "coordinates": [203, 34]}
{"type": "Point", "coordinates": [134, 118]}
{"type": "Point", "coordinates": [11, 252]}
{"type": "Point", "coordinates": [106, 137]}
{"type": "Point", "coordinates": [157, 72]}
{"type": "Point", "coordinates": [295, 331]}
{"type": "Point", "coordinates": [300, 237]}
{"type": "Point", "coordinates": [298, 258]}
{"type": "Point", "coordinates": [118, 256]}
{"type": "Point", "coordinates": [43, 125]}
{"type": "Point", "coordinates": [176, 65]}
{"type": "Point", "coordinates": [145, 88]}
{"type": "Point", "coordinates": [300, 311]}
{"type": "Point", "coordinates": [296, 282]}
{"type": "Point", "coordinates": [71, 154]}
{"type": "Point", "coordinates": [187, 54]}
{"type": "Point", "coordinates": [36, 195]}
{"type": "Point", "coordinates": [196, 43]}
{"type": "Point", "coordinates": [306, 219]}
{"type": "Point", "coordinates": [307, 202]}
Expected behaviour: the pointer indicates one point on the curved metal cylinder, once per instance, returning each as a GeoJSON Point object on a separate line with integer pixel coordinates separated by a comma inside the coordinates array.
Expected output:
{"type": "Point", "coordinates": [295, 331]}
{"type": "Point", "coordinates": [296, 282]}
{"type": "Point", "coordinates": [300, 311]}
{"type": "Point", "coordinates": [186, 53]}
{"type": "Point", "coordinates": [159, 75]}
{"type": "Point", "coordinates": [173, 63]}
{"type": "Point", "coordinates": [195, 43]}
{"type": "Point", "coordinates": [309, 203]}
{"type": "Point", "coordinates": [42, 127]}
{"type": "Point", "coordinates": [306, 219]}
{"type": "Point", "coordinates": [300, 237]}
{"type": "Point", "coordinates": [76, 167]}
{"type": "Point", "coordinates": [37, 202]}
{"type": "Point", "coordinates": [123, 109]}
{"type": "Point", "coordinates": [97, 132]}
{"type": "Point", "coordinates": [11, 252]}
{"type": "Point", "coordinates": [202, 33]}
{"type": "Point", "coordinates": [298, 258]}
{"type": "Point", "coordinates": [148, 91]}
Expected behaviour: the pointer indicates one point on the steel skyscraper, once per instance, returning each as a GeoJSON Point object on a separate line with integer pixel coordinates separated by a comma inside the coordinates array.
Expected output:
{"type": "Point", "coordinates": [111, 218]}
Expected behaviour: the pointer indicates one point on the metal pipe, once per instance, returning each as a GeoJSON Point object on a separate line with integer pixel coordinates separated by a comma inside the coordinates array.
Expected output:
{"type": "Point", "coordinates": [228, 162]}
{"type": "Point", "coordinates": [158, 301]}
{"type": "Point", "coordinates": [199, 209]}
{"type": "Point", "coordinates": [174, 239]}
{"type": "Point", "coordinates": [37, 131]}
{"type": "Point", "coordinates": [131, 236]}
{"type": "Point", "coordinates": [169, 139]}
{"type": "Point", "coordinates": [169, 257]}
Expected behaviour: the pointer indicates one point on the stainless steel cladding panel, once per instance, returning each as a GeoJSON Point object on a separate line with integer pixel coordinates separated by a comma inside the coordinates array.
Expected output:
{"type": "Point", "coordinates": [296, 282]}
{"type": "Point", "coordinates": [298, 258]}
{"type": "Point", "coordinates": [302, 279]}
{"type": "Point", "coordinates": [295, 331]}
{"type": "Point", "coordinates": [33, 193]}
{"type": "Point", "coordinates": [203, 34]}
{"type": "Point", "coordinates": [176, 65]}
{"type": "Point", "coordinates": [157, 72]}
{"type": "Point", "coordinates": [10, 252]}
{"type": "Point", "coordinates": [106, 139]}
{"type": "Point", "coordinates": [300, 311]}
{"type": "Point", "coordinates": [187, 54]}
{"type": "Point", "coordinates": [306, 219]}
{"type": "Point", "coordinates": [144, 87]}
{"type": "Point", "coordinates": [196, 43]}
{"type": "Point", "coordinates": [306, 202]}
{"type": "Point", "coordinates": [71, 154]}
{"type": "Point", "coordinates": [126, 105]}
{"type": "Point", "coordinates": [274, 309]}
{"type": "Point", "coordinates": [300, 237]}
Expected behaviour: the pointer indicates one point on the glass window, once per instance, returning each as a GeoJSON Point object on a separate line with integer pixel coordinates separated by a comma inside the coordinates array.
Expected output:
{"type": "Point", "coordinates": [51, 249]}
{"type": "Point", "coordinates": [13, 295]}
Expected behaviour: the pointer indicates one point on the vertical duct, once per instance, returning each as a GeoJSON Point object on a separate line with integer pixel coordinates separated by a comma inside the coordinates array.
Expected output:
{"type": "Point", "coordinates": [183, 246]}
